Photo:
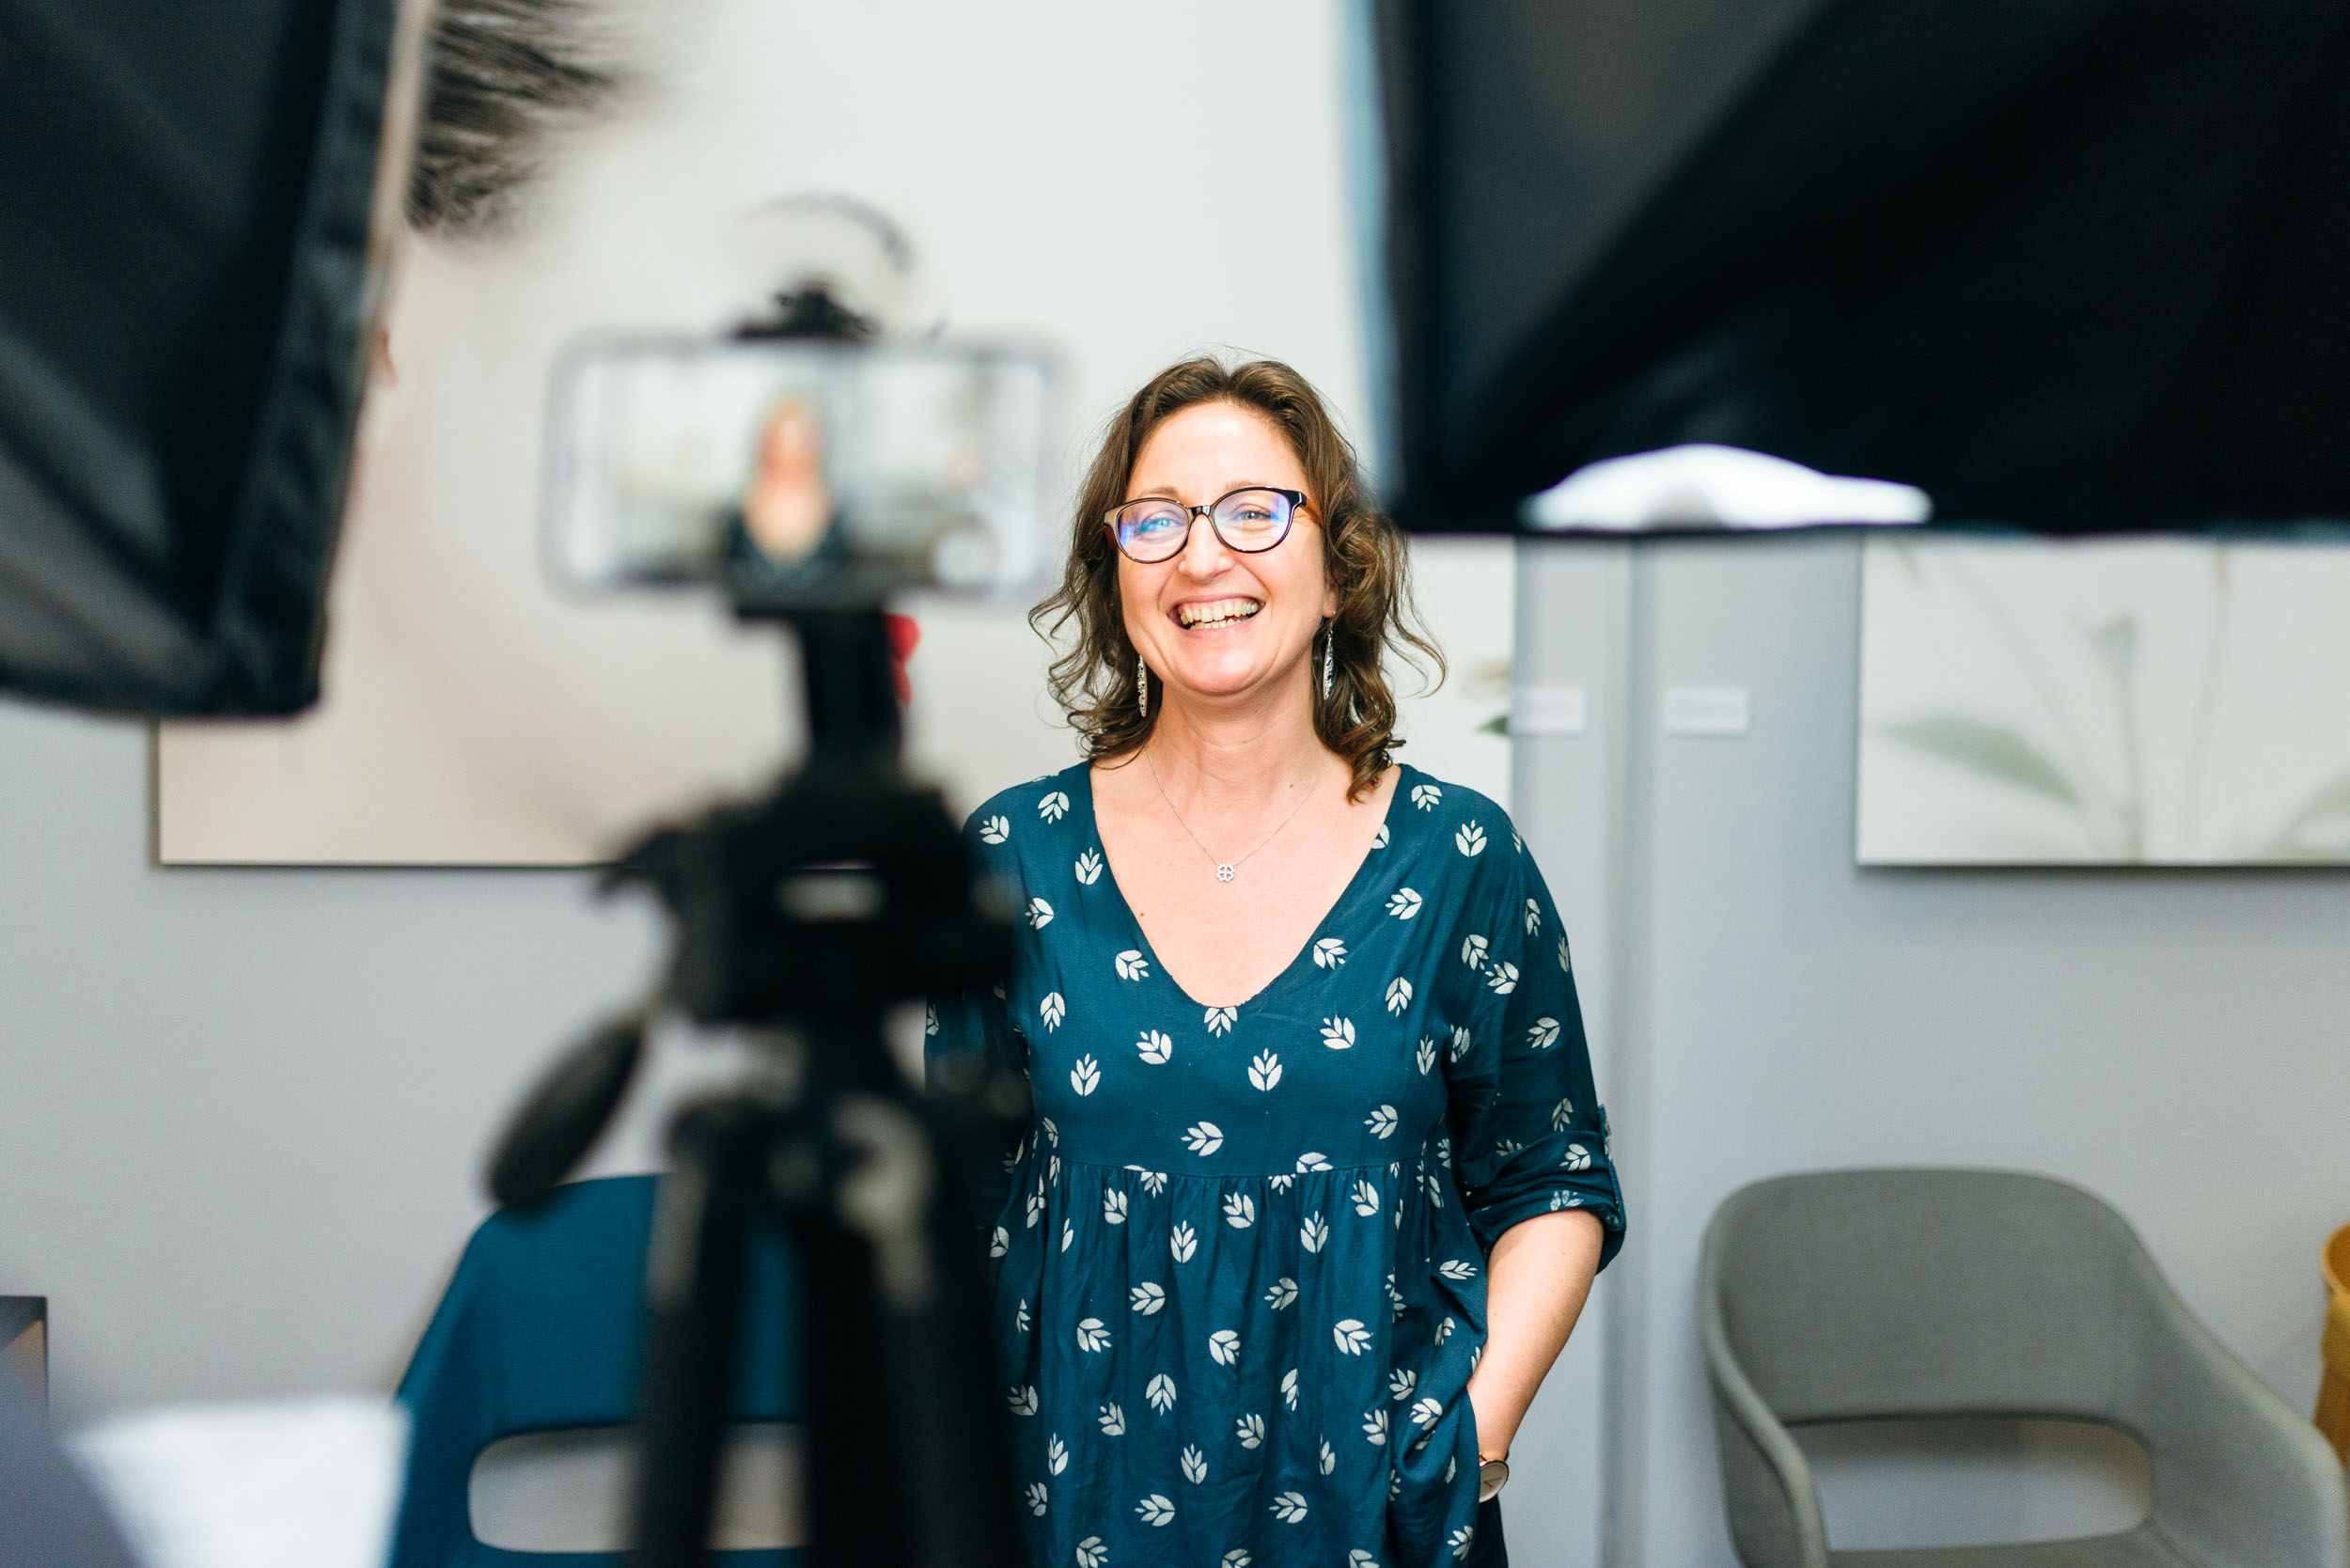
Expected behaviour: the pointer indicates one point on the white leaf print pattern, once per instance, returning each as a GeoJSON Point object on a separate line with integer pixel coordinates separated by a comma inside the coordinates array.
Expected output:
{"type": "Point", "coordinates": [1566, 961]}
{"type": "Point", "coordinates": [1329, 1457]}
{"type": "Point", "coordinates": [1235, 1558]}
{"type": "Point", "coordinates": [1351, 1337]}
{"type": "Point", "coordinates": [1265, 1070]}
{"type": "Point", "coordinates": [1577, 1158]}
{"type": "Point", "coordinates": [1366, 1199]}
{"type": "Point", "coordinates": [1470, 840]}
{"type": "Point", "coordinates": [1375, 1427]}
{"type": "Point", "coordinates": [1250, 1430]}
{"type": "Point", "coordinates": [1544, 1034]}
{"type": "Point", "coordinates": [1425, 796]}
{"type": "Point", "coordinates": [1036, 1497]}
{"type": "Point", "coordinates": [1194, 1466]}
{"type": "Point", "coordinates": [1339, 1033]}
{"type": "Point", "coordinates": [1203, 1138]}
{"type": "Point", "coordinates": [1562, 1115]}
{"type": "Point", "coordinates": [1379, 840]}
{"type": "Point", "coordinates": [1036, 1207]}
{"type": "Point", "coordinates": [1052, 807]}
{"type": "Point", "coordinates": [1459, 1043]}
{"type": "Point", "coordinates": [1156, 1510]}
{"type": "Point", "coordinates": [1020, 1318]}
{"type": "Point", "coordinates": [1456, 1268]}
{"type": "Point", "coordinates": [1052, 1009]}
{"type": "Point", "coordinates": [1383, 1121]}
{"type": "Point", "coordinates": [1224, 1347]}
{"type": "Point", "coordinates": [1022, 1400]}
{"type": "Point", "coordinates": [1565, 1200]}
{"type": "Point", "coordinates": [1052, 1133]}
{"type": "Point", "coordinates": [930, 1020]}
{"type": "Point", "coordinates": [1313, 1233]}
{"type": "Point", "coordinates": [1458, 1541]}
{"type": "Point", "coordinates": [1240, 1211]}
{"type": "Point", "coordinates": [1288, 1387]}
{"type": "Point", "coordinates": [1290, 1508]}
{"type": "Point", "coordinates": [1056, 1455]}
{"type": "Point", "coordinates": [1068, 1233]}
{"type": "Point", "coordinates": [1113, 1207]}
{"type": "Point", "coordinates": [1152, 1182]}
{"type": "Point", "coordinates": [1399, 995]}
{"type": "Point", "coordinates": [1281, 1183]}
{"type": "Point", "coordinates": [1425, 1409]}
{"type": "Point", "coordinates": [1444, 1329]}
{"type": "Point", "coordinates": [1473, 951]}
{"type": "Point", "coordinates": [1283, 1292]}
{"type": "Point", "coordinates": [1147, 1298]}
{"type": "Point", "coordinates": [1091, 1335]}
{"type": "Point", "coordinates": [1092, 1553]}
{"type": "Point", "coordinates": [1154, 1047]}
{"type": "Point", "coordinates": [1161, 1393]}
{"type": "Point", "coordinates": [1361, 1559]}
{"type": "Point", "coordinates": [1130, 964]}
{"type": "Point", "coordinates": [1313, 1159]}
{"type": "Point", "coordinates": [995, 830]}
{"type": "Point", "coordinates": [1000, 1243]}
{"type": "Point", "coordinates": [1039, 914]}
{"type": "Point", "coordinates": [1182, 1242]}
{"type": "Point", "coordinates": [1086, 1077]}
{"type": "Point", "coordinates": [1533, 917]}
{"type": "Point", "coordinates": [1400, 1382]}
{"type": "Point", "coordinates": [1089, 868]}
{"type": "Point", "coordinates": [1220, 1019]}
{"type": "Point", "coordinates": [1112, 1420]}
{"type": "Point", "coordinates": [1403, 903]}
{"type": "Point", "coordinates": [1503, 977]}
{"type": "Point", "coordinates": [1427, 1055]}
{"type": "Point", "coordinates": [1329, 953]}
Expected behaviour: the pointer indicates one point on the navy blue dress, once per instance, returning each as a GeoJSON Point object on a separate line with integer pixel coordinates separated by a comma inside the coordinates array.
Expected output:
{"type": "Point", "coordinates": [1240, 1261]}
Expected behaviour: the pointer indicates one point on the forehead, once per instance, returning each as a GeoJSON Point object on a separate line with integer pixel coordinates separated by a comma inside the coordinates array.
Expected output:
{"type": "Point", "coordinates": [1208, 449]}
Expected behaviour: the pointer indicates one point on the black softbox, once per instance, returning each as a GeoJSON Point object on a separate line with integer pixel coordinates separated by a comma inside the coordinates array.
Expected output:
{"type": "Point", "coordinates": [186, 304]}
{"type": "Point", "coordinates": [2074, 264]}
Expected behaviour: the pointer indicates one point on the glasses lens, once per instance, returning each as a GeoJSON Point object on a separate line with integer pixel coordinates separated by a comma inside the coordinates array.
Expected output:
{"type": "Point", "coordinates": [1150, 530]}
{"type": "Point", "coordinates": [1253, 519]}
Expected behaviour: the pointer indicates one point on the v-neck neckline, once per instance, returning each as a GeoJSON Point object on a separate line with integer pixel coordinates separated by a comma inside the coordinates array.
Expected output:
{"type": "Point", "coordinates": [1379, 848]}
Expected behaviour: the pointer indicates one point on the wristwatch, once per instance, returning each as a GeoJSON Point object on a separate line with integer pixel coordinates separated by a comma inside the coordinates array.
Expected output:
{"type": "Point", "coordinates": [1491, 1476]}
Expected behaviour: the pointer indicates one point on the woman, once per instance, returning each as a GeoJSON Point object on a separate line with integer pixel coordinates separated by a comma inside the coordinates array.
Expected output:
{"type": "Point", "coordinates": [1317, 1182]}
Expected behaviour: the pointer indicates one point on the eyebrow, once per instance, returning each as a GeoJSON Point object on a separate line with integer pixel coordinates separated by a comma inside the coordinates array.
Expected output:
{"type": "Point", "coordinates": [1164, 492]}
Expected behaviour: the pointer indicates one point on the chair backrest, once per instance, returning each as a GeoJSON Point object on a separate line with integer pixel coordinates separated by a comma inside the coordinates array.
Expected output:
{"type": "Point", "coordinates": [1872, 1293]}
{"type": "Point", "coordinates": [541, 1331]}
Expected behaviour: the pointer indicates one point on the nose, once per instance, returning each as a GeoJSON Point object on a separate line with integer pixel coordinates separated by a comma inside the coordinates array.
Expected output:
{"type": "Point", "coordinates": [1204, 554]}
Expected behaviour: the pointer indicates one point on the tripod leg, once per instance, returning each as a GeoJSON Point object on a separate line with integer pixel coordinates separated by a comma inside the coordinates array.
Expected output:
{"type": "Point", "coordinates": [694, 1291]}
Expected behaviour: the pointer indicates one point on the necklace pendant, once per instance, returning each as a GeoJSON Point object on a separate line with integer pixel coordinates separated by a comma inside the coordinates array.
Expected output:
{"type": "Point", "coordinates": [1223, 871]}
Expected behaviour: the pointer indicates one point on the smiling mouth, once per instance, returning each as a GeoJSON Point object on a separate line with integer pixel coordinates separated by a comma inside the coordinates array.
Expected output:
{"type": "Point", "coordinates": [1206, 614]}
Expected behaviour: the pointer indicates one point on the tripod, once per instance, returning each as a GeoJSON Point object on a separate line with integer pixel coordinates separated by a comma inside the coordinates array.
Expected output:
{"type": "Point", "coordinates": [806, 915]}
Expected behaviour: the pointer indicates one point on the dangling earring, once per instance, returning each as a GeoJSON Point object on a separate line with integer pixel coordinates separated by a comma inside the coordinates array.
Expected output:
{"type": "Point", "coordinates": [1142, 684]}
{"type": "Point", "coordinates": [1328, 636]}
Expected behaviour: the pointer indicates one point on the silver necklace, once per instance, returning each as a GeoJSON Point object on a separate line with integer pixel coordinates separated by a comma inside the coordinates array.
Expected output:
{"type": "Point", "coordinates": [1225, 870]}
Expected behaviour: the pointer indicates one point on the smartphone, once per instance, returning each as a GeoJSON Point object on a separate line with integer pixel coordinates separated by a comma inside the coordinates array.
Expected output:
{"type": "Point", "coordinates": [906, 464]}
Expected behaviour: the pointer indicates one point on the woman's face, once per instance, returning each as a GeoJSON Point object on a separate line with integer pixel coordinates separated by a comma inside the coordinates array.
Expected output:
{"type": "Point", "coordinates": [1212, 622]}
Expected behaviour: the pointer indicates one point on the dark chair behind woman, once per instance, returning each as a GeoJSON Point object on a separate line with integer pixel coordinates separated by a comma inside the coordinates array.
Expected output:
{"type": "Point", "coordinates": [1883, 1294]}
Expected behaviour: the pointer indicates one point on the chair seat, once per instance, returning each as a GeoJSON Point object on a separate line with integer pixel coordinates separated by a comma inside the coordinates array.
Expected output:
{"type": "Point", "coordinates": [2141, 1547]}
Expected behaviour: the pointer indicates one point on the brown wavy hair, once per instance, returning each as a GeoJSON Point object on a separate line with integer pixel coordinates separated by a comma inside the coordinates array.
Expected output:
{"type": "Point", "coordinates": [1364, 557]}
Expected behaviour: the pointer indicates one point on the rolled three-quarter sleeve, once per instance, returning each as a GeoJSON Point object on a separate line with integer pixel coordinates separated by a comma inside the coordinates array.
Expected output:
{"type": "Point", "coordinates": [1528, 1133]}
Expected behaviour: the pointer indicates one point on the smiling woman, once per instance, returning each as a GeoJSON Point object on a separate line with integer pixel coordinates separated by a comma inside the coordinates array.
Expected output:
{"type": "Point", "coordinates": [1316, 1182]}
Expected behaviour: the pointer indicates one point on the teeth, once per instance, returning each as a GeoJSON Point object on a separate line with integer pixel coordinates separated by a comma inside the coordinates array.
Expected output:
{"type": "Point", "coordinates": [1222, 612]}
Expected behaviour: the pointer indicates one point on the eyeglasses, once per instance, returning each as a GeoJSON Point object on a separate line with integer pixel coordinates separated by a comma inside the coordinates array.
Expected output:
{"type": "Point", "coordinates": [1250, 521]}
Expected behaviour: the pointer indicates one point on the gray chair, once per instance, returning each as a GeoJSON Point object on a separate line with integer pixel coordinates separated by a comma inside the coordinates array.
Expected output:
{"type": "Point", "coordinates": [1900, 1294]}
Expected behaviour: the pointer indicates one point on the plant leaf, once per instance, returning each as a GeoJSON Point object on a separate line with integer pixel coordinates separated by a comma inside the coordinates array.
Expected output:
{"type": "Point", "coordinates": [1993, 750]}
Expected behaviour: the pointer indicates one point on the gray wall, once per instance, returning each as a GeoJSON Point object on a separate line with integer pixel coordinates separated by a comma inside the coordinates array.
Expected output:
{"type": "Point", "coordinates": [241, 1113]}
{"type": "Point", "coordinates": [2178, 1043]}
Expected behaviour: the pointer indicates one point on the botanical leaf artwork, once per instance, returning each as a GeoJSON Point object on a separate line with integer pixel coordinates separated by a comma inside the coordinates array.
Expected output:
{"type": "Point", "coordinates": [1470, 840]}
{"type": "Point", "coordinates": [1265, 1070]}
{"type": "Point", "coordinates": [1533, 917]}
{"type": "Point", "coordinates": [1337, 1033]}
{"type": "Point", "coordinates": [1220, 1019]}
{"type": "Point", "coordinates": [1473, 951]}
{"type": "Point", "coordinates": [1329, 953]}
{"type": "Point", "coordinates": [1425, 796]}
{"type": "Point", "coordinates": [1154, 1047]}
{"type": "Point", "coordinates": [1542, 1033]}
{"type": "Point", "coordinates": [1051, 1010]}
{"type": "Point", "coordinates": [1161, 1393]}
{"type": "Point", "coordinates": [1382, 1121]}
{"type": "Point", "coordinates": [1403, 903]}
{"type": "Point", "coordinates": [1054, 807]}
{"type": "Point", "coordinates": [1399, 995]}
{"type": "Point", "coordinates": [1351, 1337]}
{"type": "Point", "coordinates": [995, 830]}
{"type": "Point", "coordinates": [1157, 1510]}
{"type": "Point", "coordinates": [1147, 1298]}
{"type": "Point", "coordinates": [1088, 868]}
{"type": "Point", "coordinates": [1224, 1347]}
{"type": "Point", "coordinates": [1203, 1137]}
{"type": "Point", "coordinates": [1132, 966]}
{"type": "Point", "coordinates": [1039, 914]}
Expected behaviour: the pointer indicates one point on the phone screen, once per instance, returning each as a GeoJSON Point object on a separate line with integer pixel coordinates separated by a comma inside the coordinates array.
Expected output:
{"type": "Point", "coordinates": [825, 472]}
